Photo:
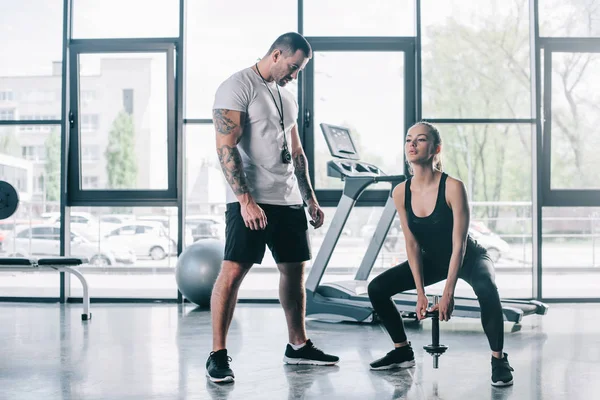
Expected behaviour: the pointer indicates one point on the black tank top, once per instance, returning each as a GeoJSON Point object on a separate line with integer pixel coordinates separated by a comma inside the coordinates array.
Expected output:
{"type": "Point", "coordinates": [434, 232]}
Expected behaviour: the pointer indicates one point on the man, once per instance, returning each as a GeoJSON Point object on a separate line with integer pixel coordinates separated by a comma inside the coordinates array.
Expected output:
{"type": "Point", "coordinates": [263, 161]}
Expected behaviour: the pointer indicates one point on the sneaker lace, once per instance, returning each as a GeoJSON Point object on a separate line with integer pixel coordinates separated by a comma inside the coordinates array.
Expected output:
{"type": "Point", "coordinates": [311, 347]}
{"type": "Point", "coordinates": [221, 360]}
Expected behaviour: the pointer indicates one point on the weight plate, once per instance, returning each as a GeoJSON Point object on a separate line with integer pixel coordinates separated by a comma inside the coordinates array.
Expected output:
{"type": "Point", "coordinates": [9, 200]}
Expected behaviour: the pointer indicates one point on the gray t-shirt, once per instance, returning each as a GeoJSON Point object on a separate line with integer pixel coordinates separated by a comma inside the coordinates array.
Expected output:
{"type": "Point", "coordinates": [270, 180]}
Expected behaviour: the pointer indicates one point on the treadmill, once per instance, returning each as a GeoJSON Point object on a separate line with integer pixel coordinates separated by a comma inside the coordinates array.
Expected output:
{"type": "Point", "coordinates": [349, 300]}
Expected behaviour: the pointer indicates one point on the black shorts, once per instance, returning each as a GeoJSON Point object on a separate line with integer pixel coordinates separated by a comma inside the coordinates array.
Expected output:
{"type": "Point", "coordinates": [286, 235]}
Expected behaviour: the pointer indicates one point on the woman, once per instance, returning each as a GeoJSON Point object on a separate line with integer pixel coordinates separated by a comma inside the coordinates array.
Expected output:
{"type": "Point", "coordinates": [434, 215]}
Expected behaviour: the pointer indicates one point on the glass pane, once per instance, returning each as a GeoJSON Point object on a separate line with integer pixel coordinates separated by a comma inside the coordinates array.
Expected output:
{"type": "Point", "coordinates": [30, 73]}
{"type": "Point", "coordinates": [94, 19]}
{"type": "Point", "coordinates": [357, 18]}
{"type": "Point", "coordinates": [205, 183]}
{"type": "Point", "coordinates": [132, 251]}
{"type": "Point", "coordinates": [260, 22]}
{"type": "Point", "coordinates": [575, 131]}
{"type": "Point", "coordinates": [476, 59]}
{"type": "Point", "coordinates": [30, 162]}
{"type": "Point", "coordinates": [493, 160]}
{"type": "Point", "coordinates": [571, 252]}
{"type": "Point", "coordinates": [571, 18]}
{"type": "Point", "coordinates": [123, 121]}
{"type": "Point", "coordinates": [364, 107]}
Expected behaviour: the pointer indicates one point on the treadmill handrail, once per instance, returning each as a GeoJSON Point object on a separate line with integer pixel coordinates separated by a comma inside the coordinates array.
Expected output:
{"type": "Point", "coordinates": [391, 178]}
{"type": "Point", "coordinates": [355, 185]}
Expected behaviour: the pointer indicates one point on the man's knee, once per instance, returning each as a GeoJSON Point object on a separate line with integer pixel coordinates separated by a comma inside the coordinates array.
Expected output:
{"type": "Point", "coordinates": [293, 269]}
{"type": "Point", "coordinates": [233, 273]}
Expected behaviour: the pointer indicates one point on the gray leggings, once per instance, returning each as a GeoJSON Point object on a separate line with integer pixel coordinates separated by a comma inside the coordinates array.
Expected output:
{"type": "Point", "coordinates": [477, 272]}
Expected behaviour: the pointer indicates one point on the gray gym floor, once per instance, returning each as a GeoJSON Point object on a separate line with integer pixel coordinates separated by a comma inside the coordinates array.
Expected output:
{"type": "Point", "coordinates": [158, 351]}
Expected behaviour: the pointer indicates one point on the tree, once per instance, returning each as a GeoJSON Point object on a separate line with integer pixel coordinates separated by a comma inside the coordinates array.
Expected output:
{"type": "Point", "coordinates": [478, 66]}
{"type": "Point", "coordinates": [121, 165]}
{"type": "Point", "coordinates": [52, 167]}
{"type": "Point", "coordinates": [575, 117]}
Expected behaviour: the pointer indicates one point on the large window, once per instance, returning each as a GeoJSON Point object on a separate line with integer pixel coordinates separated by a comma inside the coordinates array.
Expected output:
{"type": "Point", "coordinates": [220, 42]}
{"type": "Point", "coordinates": [30, 71]}
{"type": "Point", "coordinates": [125, 127]}
{"type": "Point", "coordinates": [475, 59]}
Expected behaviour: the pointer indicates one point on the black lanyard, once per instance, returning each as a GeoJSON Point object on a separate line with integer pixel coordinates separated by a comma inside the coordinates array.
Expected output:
{"type": "Point", "coordinates": [276, 106]}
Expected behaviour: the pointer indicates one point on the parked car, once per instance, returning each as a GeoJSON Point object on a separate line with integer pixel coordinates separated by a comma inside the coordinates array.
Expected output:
{"type": "Point", "coordinates": [394, 241]}
{"type": "Point", "coordinates": [116, 219]}
{"type": "Point", "coordinates": [8, 225]}
{"type": "Point", "coordinates": [146, 238]}
{"type": "Point", "coordinates": [170, 225]}
{"type": "Point", "coordinates": [77, 218]}
{"type": "Point", "coordinates": [44, 240]}
{"type": "Point", "coordinates": [206, 227]}
{"type": "Point", "coordinates": [494, 244]}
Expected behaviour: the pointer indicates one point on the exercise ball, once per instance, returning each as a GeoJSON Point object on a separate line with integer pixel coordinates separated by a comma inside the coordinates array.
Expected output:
{"type": "Point", "coordinates": [197, 269]}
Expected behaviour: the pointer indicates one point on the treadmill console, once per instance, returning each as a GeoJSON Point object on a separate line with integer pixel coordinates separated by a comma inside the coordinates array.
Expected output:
{"type": "Point", "coordinates": [350, 168]}
{"type": "Point", "coordinates": [347, 162]}
{"type": "Point", "coordinates": [340, 142]}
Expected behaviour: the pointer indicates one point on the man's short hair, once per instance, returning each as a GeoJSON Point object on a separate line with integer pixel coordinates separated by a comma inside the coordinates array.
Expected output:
{"type": "Point", "coordinates": [289, 43]}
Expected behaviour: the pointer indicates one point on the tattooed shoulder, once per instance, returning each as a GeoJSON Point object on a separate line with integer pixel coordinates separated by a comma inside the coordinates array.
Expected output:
{"type": "Point", "coordinates": [223, 122]}
{"type": "Point", "coordinates": [226, 121]}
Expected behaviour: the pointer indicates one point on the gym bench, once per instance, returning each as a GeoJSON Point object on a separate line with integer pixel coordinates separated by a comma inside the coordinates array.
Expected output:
{"type": "Point", "coordinates": [60, 264]}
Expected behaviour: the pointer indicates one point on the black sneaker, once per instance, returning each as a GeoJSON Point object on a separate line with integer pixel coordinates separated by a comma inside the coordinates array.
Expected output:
{"type": "Point", "coordinates": [217, 367]}
{"type": "Point", "coordinates": [400, 357]}
{"type": "Point", "coordinates": [309, 355]}
{"type": "Point", "coordinates": [501, 371]}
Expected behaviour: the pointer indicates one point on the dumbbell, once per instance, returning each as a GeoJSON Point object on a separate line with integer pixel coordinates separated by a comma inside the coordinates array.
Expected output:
{"type": "Point", "coordinates": [435, 348]}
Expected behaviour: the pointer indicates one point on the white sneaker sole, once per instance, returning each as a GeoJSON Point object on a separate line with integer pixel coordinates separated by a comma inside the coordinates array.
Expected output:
{"type": "Point", "coordinates": [227, 379]}
{"type": "Point", "coordinates": [502, 384]}
{"type": "Point", "coordinates": [405, 364]}
{"type": "Point", "coordinates": [305, 361]}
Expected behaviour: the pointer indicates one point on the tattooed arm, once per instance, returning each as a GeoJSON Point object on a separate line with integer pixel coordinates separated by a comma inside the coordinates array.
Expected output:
{"type": "Point", "coordinates": [301, 172]}
{"type": "Point", "coordinates": [229, 126]}
{"type": "Point", "coordinates": [301, 168]}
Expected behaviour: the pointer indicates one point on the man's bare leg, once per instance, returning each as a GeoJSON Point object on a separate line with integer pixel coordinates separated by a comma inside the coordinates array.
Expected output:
{"type": "Point", "coordinates": [293, 300]}
{"type": "Point", "coordinates": [292, 296]}
{"type": "Point", "coordinates": [224, 299]}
